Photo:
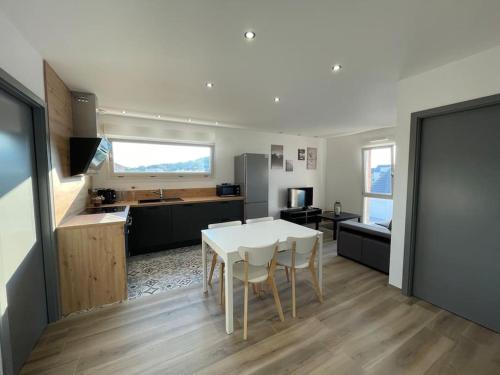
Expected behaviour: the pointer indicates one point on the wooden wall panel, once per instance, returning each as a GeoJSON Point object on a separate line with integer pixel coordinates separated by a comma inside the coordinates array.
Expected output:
{"type": "Point", "coordinates": [70, 194]}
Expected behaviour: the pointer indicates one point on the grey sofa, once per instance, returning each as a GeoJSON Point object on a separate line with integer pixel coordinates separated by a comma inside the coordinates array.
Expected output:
{"type": "Point", "coordinates": [364, 243]}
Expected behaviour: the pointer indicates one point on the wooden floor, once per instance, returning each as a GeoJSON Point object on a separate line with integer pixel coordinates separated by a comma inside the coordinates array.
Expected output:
{"type": "Point", "coordinates": [363, 327]}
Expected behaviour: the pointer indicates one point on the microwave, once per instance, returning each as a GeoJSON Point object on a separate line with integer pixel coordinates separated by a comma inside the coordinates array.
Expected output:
{"type": "Point", "coordinates": [228, 190]}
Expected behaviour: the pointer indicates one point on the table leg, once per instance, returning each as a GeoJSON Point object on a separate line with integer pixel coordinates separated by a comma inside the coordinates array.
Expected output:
{"type": "Point", "coordinates": [335, 227]}
{"type": "Point", "coordinates": [204, 263]}
{"type": "Point", "coordinates": [317, 223]}
{"type": "Point", "coordinates": [228, 279]}
{"type": "Point", "coordinates": [320, 263]}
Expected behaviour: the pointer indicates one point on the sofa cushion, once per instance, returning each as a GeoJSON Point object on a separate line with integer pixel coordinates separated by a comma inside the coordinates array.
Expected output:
{"type": "Point", "coordinates": [374, 230]}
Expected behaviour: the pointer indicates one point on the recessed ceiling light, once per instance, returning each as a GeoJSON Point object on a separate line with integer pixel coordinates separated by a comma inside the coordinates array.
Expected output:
{"type": "Point", "coordinates": [249, 35]}
{"type": "Point", "coordinates": [276, 99]}
{"type": "Point", "coordinates": [158, 116]}
{"type": "Point", "coordinates": [124, 112]}
{"type": "Point", "coordinates": [209, 85]}
{"type": "Point", "coordinates": [336, 68]}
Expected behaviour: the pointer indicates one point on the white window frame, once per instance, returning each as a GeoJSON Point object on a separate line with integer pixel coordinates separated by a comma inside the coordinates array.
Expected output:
{"type": "Point", "coordinates": [366, 194]}
{"type": "Point", "coordinates": [161, 174]}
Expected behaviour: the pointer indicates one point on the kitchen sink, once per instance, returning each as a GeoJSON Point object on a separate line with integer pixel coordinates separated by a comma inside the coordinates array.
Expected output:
{"type": "Point", "coordinates": [159, 200]}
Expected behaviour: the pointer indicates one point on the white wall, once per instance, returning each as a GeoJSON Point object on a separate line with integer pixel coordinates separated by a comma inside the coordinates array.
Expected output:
{"type": "Point", "coordinates": [228, 143]}
{"type": "Point", "coordinates": [344, 172]}
{"type": "Point", "coordinates": [473, 77]}
{"type": "Point", "coordinates": [19, 59]}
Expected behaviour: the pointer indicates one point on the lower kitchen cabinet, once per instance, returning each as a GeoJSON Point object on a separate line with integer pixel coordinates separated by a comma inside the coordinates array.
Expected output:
{"type": "Point", "coordinates": [161, 227]}
{"type": "Point", "coordinates": [151, 229]}
{"type": "Point", "coordinates": [92, 266]}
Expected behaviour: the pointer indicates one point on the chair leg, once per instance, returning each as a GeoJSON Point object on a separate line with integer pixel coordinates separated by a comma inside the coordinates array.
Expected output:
{"type": "Point", "coordinates": [286, 273]}
{"type": "Point", "coordinates": [212, 268]}
{"type": "Point", "coordinates": [221, 284]}
{"type": "Point", "coordinates": [245, 313]}
{"type": "Point", "coordinates": [277, 301]}
{"type": "Point", "coordinates": [254, 288]}
{"type": "Point", "coordinates": [315, 284]}
{"type": "Point", "coordinates": [294, 308]}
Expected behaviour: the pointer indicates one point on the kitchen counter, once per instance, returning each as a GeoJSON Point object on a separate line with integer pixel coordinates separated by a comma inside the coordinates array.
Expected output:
{"type": "Point", "coordinates": [95, 219]}
{"type": "Point", "coordinates": [121, 217]}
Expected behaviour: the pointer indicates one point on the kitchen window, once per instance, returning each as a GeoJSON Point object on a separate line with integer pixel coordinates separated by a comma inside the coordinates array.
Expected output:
{"type": "Point", "coordinates": [378, 172]}
{"type": "Point", "coordinates": [160, 158]}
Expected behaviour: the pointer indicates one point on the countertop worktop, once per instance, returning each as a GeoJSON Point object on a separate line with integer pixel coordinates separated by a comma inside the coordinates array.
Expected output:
{"type": "Point", "coordinates": [121, 217]}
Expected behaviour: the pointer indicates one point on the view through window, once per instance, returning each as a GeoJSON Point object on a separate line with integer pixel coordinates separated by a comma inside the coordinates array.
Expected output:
{"type": "Point", "coordinates": [131, 157]}
{"type": "Point", "coordinates": [377, 184]}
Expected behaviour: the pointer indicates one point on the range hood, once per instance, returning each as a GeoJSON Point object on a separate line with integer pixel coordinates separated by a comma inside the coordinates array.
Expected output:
{"type": "Point", "coordinates": [87, 150]}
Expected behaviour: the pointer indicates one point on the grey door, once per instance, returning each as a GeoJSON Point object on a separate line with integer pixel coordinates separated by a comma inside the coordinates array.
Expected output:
{"type": "Point", "coordinates": [21, 258]}
{"type": "Point", "coordinates": [457, 243]}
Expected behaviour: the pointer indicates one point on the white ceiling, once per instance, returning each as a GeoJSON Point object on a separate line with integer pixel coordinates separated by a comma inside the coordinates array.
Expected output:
{"type": "Point", "coordinates": [155, 56]}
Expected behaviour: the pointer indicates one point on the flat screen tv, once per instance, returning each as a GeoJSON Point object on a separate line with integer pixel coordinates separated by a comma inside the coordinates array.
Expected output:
{"type": "Point", "coordinates": [300, 197]}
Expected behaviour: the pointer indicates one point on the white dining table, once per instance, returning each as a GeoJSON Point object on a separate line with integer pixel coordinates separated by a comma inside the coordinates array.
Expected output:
{"type": "Point", "coordinates": [225, 242]}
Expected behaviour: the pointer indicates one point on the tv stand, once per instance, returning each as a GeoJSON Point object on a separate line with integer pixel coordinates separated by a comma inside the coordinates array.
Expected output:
{"type": "Point", "coordinates": [301, 215]}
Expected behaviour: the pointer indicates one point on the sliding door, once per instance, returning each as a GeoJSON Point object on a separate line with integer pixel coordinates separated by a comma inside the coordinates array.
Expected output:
{"type": "Point", "coordinates": [22, 294]}
{"type": "Point", "coordinates": [457, 241]}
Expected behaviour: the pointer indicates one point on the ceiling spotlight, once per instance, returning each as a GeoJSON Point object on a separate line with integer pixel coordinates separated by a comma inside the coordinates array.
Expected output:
{"type": "Point", "coordinates": [276, 99]}
{"type": "Point", "coordinates": [336, 68]}
{"type": "Point", "coordinates": [124, 112]}
{"type": "Point", "coordinates": [209, 85]}
{"type": "Point", "coordinates": [249, 35]}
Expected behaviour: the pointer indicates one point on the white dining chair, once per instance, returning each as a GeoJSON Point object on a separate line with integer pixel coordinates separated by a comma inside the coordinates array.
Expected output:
{"type": "Point", "coordinates": [258, 265]}
{"type": "Point", "coordinates": [216, 258]}
{"type": "Point", "coordinates": [301, 254]}
{"type": "Point", "coordinates": [259, 219]}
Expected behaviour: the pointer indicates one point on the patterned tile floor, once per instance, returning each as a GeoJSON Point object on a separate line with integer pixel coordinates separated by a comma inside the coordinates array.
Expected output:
{"type": "Point", "coordinates": [161, 271]}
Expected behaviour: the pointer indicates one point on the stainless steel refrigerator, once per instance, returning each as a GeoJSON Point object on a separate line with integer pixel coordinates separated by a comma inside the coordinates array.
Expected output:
{"type": "Point", "coordinates": [251, 171]}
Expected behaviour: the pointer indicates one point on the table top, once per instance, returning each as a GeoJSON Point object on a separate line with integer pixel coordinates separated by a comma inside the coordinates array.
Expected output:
{"type": "Point", "coordinates": [228, 239]}
{"type": "Point", "coordinates": [343, 216]}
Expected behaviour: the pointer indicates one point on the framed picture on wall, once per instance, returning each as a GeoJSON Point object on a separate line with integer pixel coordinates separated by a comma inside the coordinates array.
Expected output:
{"type": "Point", "coordinates": [276, 156]}
{"type": "Point", "coordinates": [312, 157]}
{"type": "Point", "coordinates": [301, 154]}
{"type": "Point", "coordinates": [289, 166]}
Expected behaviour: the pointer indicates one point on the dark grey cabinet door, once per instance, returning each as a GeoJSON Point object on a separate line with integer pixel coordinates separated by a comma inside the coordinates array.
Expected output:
{"type": "Point", "coordinates": [229, 211]}
{"type": "Point", "coordinates": [457, 247]}
{"type": "Point", "coordinates": [187, 222]}
{"type": "Point", "coordinates": [21, 257]}
{"type": "Point", "coordinates": [151, 229]}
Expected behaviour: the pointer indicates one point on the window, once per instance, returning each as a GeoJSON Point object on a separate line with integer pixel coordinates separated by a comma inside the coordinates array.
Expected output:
{"type": "Point", "coordinates": [155, 158]}
{"type": "Point", "coordinates": [378, 165]}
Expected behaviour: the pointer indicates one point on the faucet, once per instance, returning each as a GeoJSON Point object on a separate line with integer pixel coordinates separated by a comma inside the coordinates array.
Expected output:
{"type": "Point", "coordinates": [159, 193]}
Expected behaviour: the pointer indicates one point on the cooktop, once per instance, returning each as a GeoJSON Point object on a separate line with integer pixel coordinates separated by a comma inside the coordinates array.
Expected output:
{"type": "Point", "coordinates": [102, 210]}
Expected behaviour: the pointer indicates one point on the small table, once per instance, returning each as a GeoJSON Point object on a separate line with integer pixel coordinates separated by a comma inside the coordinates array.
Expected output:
{"type": "Point", "coordinates": [336, 219]}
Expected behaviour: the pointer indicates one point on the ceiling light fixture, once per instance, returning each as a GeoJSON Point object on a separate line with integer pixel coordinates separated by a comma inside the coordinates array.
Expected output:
{"type": "Point", "coordinates": [336, 68]}
{"type": "Point", "coordinates": [249, 35]}
{"type": "Point", "coordinates": [189, 120]}
{"type": "Point", "coordinates": [158, 116]}
{"type": "Point", "coordinates": [209, 85]}
{"type": "Point", "coordinates": [276, 99]}
{"type": "Point", "coordinates": [124, 112]}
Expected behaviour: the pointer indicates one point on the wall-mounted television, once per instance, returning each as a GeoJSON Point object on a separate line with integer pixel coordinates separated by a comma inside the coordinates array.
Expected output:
{"type": "Point", "coordinates": [300, 197]}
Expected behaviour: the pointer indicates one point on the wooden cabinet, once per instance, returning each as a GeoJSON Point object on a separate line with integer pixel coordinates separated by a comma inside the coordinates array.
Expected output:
{"type": "Point", "coordinates": [92, 266]}
{"type": "Point", "coordinates": [164, 227]}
